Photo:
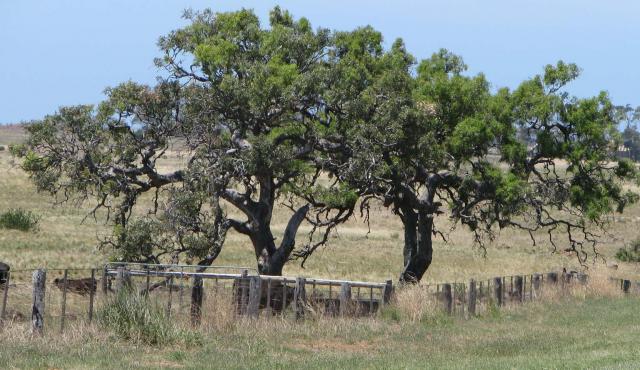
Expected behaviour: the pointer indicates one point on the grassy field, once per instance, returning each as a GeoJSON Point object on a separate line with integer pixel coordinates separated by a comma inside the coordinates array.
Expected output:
{"type": "Point", "coordinates": [594, 332]}
{"type": "Point", "coordinates": [588, 329]}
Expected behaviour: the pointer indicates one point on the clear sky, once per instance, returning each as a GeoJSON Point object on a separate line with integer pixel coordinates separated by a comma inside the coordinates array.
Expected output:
{"type": "Point", "coordinates": [65, 52]}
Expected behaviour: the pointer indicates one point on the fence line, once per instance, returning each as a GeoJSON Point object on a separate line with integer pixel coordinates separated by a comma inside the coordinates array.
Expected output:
{"type": "Point", "coordinates": [251, 295]}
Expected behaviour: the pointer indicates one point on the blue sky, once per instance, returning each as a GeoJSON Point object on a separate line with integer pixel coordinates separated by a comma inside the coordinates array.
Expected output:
{"type": "Point", "coordinates": [65, 52]}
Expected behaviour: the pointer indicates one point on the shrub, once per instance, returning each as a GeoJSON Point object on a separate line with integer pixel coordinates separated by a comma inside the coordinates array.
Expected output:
{"type": "Point", "coordinates": [19, 219]}
{"type": "Point", "coordinates": [630, 253]}
{"type": "Point", "coordinates": [2, 148]}
{"type": "Point", "coordinates": [134, 317]}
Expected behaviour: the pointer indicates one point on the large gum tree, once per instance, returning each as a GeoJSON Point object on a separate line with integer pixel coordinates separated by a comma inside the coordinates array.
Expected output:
{"type": "Point", "coordinates": [244, 103]}
{"type": "Point", "coordinates": [435, 141]}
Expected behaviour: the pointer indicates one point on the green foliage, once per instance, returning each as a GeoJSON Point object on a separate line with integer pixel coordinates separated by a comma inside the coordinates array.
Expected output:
{"type": "Point", "coordinates": [631, 253]}
{"type": "Point", "coordinates": [334, 197]}
{"type": "Point", "coordinates": [139, 239]}
{"type": "Point", "coordinates": [472, 137]}
{"type": "Point", "coordinates": [136, 318]}
{"type": "Point", "coordinates": [19, 219]}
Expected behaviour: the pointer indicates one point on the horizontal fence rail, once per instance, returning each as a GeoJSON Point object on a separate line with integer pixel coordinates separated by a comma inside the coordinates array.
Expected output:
{"type": "Point", "coordinates": [253, 294]}
{"type": "Point", "coordinates": [53, 299]}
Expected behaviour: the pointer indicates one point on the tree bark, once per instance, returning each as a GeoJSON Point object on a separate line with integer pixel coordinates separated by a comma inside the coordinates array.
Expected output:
{"type": "Point", "coordinates": [419, 260]}
{"type": "Point", "coordinates": [410, 221]}
{"type": "Point", "coordinates": [264, 247]}
{"type": "Point", "coordinates": [271, 259]}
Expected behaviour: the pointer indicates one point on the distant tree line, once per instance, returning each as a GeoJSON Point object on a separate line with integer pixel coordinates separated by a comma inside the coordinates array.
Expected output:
{"type": "Point", "coordinates": [327, 123]}
{"type": "Point", "coordinates": [628, 118]}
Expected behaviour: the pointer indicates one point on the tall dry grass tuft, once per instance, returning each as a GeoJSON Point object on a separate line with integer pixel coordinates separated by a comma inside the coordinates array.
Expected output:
{"type": "Point", "coordinates": [218, 312]}
{"type": "Point", "coordinates": [415, 303]}
{"type": "Point", "coordinates": [599, 285]}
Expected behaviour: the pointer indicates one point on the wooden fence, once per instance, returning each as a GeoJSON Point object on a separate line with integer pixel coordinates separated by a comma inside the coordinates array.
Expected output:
{"type": "Point", "coordinates": [53, 297]}
{"type": "Point", "coordinates": [255, 294]}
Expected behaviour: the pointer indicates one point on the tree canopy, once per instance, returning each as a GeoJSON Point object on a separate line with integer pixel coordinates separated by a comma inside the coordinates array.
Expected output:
{"type": "Point", "coordinates": [449, 146]}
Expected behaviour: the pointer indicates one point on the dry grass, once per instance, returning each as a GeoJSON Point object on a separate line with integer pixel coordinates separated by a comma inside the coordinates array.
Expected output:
{"type": "Point", "coordinates": [581, 327]}
{"type": "Point", "coordinates": [12, 134]}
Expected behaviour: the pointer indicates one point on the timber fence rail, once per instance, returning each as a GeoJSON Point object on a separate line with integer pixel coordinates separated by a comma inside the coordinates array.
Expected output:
{"type": "Point", "coordinates": [53, 299]}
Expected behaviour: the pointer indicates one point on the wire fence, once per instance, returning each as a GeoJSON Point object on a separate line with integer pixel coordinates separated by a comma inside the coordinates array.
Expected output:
{"type": "Point", "coordinates": [70, 295]}
{"type": "Point", "coordinates": [55, 298]}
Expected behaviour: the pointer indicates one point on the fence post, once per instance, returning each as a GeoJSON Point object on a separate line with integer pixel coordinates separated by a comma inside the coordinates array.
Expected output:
{"type": "Point", "coordinates": [626, 285]}
{"type": "Point", "coordinates": [519, 288]}
{"type": "Point", "coordinates": [345, 298]}
{"type": "Point", "coordinates": [255, 293]}
{"type": "Point", "coordinates": [105, 282]}
{"type": "Point", "coordinates": [92, 293]}
{"type": "Point", "coordinates": [37, 309]}
{"type": "Point", "coordinates": [447, 298]}
{"type": "Point", "coordinates": [122, 279]}
{"type": "Point", "coordinates": [64, 299]}
{"type": "Point", "coordinates": [148, 281]}
{"type": "Point", "coordinates": [387, 292]}
{"type": "Point", "coordinates": [170, 283]}
{"type": "Point", "coordinates": [299, 297]}
{"type": "Point", "coordinates": [497, 290]}
{"type": "Point", "coordinates": [196, 300]}
{"type": "Point", "coordinates": [243, 293]}
{"type": "Point", "coordinates": [537, 279]}
{"type": "Point", "coordinates": [5, 295]}
{"type": "Point", "coordinates": [472, 297]}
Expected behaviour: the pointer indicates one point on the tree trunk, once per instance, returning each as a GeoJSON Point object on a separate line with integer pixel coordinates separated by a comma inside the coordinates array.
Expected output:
{"type": "Point", "coordinates": [410, 221]}
{"type": "Point", "coordinates": [264, 247]}
{"type": "Point", "coordinates": [271, 260]}
{"type": "Point", "coordinates": [421, 256]}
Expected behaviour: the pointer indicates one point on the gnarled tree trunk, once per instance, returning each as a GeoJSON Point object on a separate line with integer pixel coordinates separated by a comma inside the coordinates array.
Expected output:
{"type": "Point", "coordinates": [271, 258]}
{"type": "Point", "coordinates": [418, 246]}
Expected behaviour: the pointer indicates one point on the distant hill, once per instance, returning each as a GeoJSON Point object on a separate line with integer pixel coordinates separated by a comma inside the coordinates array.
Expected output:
{"type": "Point", "coordinates": [12, 134]}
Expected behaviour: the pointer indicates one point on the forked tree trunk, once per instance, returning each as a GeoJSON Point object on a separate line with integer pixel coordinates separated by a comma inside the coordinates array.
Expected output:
{"type": "Point", "coordinates": [271, 259]}
{"type": "Point", "coordinates": [264, 247]}
{"type": "Point", "coordinates": [418, 247]}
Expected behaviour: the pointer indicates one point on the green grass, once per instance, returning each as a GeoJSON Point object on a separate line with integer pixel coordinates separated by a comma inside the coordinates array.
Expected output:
{"type": "Point", "coordinates": [135, 318]}
{"type": "Point", "coordinates": [572, 333]}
